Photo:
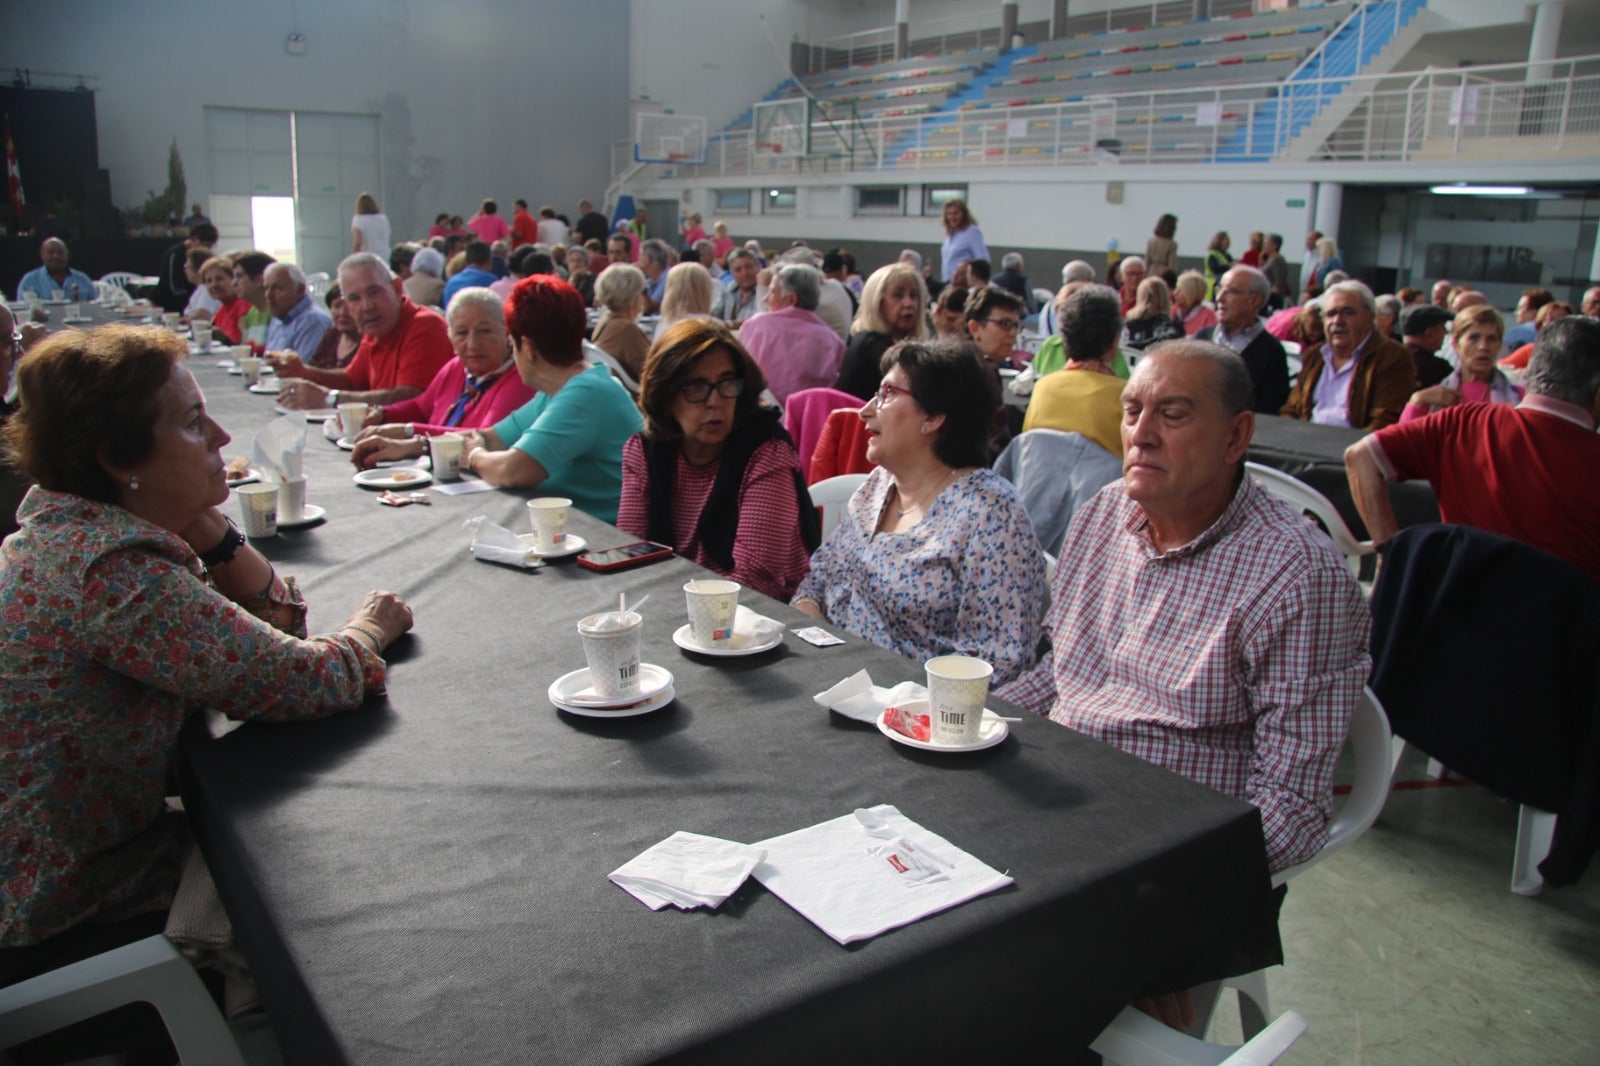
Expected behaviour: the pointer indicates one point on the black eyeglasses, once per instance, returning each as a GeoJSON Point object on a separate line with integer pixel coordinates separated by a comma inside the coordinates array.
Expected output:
{"type": "Point", "coordinates": [1010, 325]}
{"type": "Point", "coordinates": [700, 391]}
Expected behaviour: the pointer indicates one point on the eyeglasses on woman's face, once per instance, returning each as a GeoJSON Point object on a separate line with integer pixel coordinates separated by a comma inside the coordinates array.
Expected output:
{"type": "Point", "coordinates": [887, 392]}
{"type": "Point", "coordinates": [698, 390]}
{"type": "Point", "coordinates": [1010, 325]}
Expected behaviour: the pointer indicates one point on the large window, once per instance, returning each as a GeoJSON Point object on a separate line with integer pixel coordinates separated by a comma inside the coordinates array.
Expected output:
{"type": "Point", "coordinates": [881, 200]}
{"type": "Point", "coordinates": [778, 200]}
{"type": "Point", "coordinates": [934, 197]}
{"type": "Point", "coordinates": [730, 201]}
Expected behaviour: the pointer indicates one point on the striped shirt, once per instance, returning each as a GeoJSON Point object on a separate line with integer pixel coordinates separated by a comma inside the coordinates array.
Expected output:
{"type": "Point", "coordinates": [1234, 660]}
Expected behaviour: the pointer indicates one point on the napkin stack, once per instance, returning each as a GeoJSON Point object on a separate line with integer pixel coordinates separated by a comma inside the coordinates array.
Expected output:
{"type": "Point", "coordinates": [687, 870]}
{"type": "Point", "coordinates": [279, 449]}
{"type": "Point", "coordinates": [496, 544]}
{"type": "Point", "coordinates": [756, 628]}
{"type": "Point", "coordinates": [857, 697]}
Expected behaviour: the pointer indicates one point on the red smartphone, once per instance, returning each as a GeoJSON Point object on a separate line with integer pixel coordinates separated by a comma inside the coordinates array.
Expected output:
{"type": "Point", "coordinates": [624, 557]}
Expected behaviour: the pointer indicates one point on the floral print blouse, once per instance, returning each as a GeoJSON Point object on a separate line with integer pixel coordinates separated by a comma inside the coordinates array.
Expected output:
{"type": "Point", "coordinates": [111, 636]}
{"type": "Point", "coordinates": [966, 580]}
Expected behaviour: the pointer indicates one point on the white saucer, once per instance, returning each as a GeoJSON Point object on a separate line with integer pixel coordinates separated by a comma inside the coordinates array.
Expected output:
{"type": "Point", "coordinates": [228, 364]}
{"type": "Point", "coordinates": [572, 545]}
{"type": "Point", "coordinates": [246, 478]}
{"type": "Point", "coordinates": [991, 731]}
{"type": "Point", "coordinates": [575, 689]}
{"type": "Point", "coordinates": [313, 514]}
{"type": "Point", "coordinates": [320, 414]}
{"type": "Point", "coordinates": [683, 637]}
{"type": "Point", "coordinates": [385, 479]}
{"type": "Point", "coordinates": [655, 703]}
{"type": "Point", "coordinates": [68, 320]}
{"type": "Point", "coordinates": [347, 443]}
{"type": "Point", "coordinates": [266, 388]}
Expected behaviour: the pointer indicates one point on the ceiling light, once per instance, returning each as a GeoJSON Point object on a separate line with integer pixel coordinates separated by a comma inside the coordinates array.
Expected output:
{"type": "Point", "coordinates": [1461, 188]}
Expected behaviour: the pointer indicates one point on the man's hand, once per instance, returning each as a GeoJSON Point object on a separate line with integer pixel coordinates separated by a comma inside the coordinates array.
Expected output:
{"type": "Point", "coordinates": [370, 451]}
{"type": "Point", "coordinates": [391, 430]}
{"type": "Point", "coordinates": [287, 363]}
{"type": "Point", "coordinates": [303, 395]}
{"type": "Point", "coordinates": [1436, 396]}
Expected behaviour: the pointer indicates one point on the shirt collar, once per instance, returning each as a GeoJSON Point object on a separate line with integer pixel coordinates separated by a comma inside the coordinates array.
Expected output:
{"type": "Point", "coordinates": [1247, 334]}
{"type": "Point", "coordinates": [1361, 349]}
{"type": "Point", "coordinates": [298, 309]}
{"type": "Point", "coordinates": [1546, 405]}
{"type": "Point", "coordinates": [1139, 523]}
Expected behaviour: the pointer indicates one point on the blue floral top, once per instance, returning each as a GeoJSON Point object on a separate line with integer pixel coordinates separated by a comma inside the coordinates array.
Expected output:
{"type": "Point", "coordinates": [111, 635]}
{"type": "Point", "coordinates": [966, 580]}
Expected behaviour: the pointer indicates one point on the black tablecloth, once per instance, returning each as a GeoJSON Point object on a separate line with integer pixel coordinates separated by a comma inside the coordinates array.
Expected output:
{"type": "Point", "coordinates": [1315, 455]}
{"type": "Point", "coordinates": [424, 879]}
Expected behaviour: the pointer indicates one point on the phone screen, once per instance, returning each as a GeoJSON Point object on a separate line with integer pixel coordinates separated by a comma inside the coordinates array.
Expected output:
{"type": "Point", "coordinates": [636, 550]}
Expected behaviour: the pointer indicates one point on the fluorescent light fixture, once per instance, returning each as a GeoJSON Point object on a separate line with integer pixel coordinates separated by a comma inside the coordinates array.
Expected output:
{"type": "Point", "coordinates": [1461, 188]}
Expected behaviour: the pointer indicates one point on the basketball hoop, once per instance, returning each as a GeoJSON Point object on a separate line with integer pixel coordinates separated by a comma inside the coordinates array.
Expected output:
{"type": "Point", "coordinates": [769, 146]}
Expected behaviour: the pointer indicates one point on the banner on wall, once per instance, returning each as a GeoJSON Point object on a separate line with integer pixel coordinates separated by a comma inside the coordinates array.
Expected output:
{"type": "Point", "coordinates": [13, 174]}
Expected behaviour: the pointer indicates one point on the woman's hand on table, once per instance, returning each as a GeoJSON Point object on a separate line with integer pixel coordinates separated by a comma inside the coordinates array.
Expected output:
{"type": "Point", "coordinates": [370, 451]}
{"type": "Point", "coordinates": [383, 616]}
{"type": "Point", "coordinates": [1436, 396]}
{"type": "Point", "coordinates": [388, 431]}
{"type": "Point", "coordinates": [811, 607]}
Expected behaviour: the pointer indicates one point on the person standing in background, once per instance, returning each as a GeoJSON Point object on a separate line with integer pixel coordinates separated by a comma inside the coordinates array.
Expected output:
{"type": "Point", "coordinates": [369, 229]}
{"type": "Point", "coordinates": [1161, 251]}
{"type": "Point", "coordinates": [963, 241]}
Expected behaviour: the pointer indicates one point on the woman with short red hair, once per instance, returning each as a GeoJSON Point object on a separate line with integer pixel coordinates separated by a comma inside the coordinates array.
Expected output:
{"type": "Point", "coordinates": [566, 441]}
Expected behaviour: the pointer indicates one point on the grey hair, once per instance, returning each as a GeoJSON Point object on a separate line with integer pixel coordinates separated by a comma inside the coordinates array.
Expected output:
{"type": "Point", "coordinates": [1235, 389]}
{"type": "Point", "coordinates": [1090, 321]}
{"type": "Point", "coordinates": [1353, 288]}
{"type": "Point", "coordinates": [1129, 260]}
{"type": "Point", "coordinates": [741, 253]}
{"type": "Point", "coordinates": [428, 261]}
{"type": "Point", "coordinates": [296, 275]}
{"type": "Point", "coordinates": [801, 281]}
{"type": "Point", "coordinates": [1336, 276]}
{"type": "Point", "coordinates": [1257, 281]}
{"type": "Point", "coordinates": [1077, 270]}
{"type": "Point", "coordinates": [1011, 261]}
{"type": "Point", "coordinates": [912, 256]}
{"type": "Point", "coordinates": [656, 251]}
{"type": "Point", "coordinates": [1566, 361]}
{"type": "Point", "coordinates": [366, 259]}
{"type": "Point", "coordinates": [1389, 305]}
{"type": "Point", "coordinates": [619, 286]}
{"type": "Point", "coordinates": [476, 296]}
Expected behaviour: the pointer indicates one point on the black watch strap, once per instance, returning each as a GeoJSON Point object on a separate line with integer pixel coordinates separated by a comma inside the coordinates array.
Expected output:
{"type": "Point", "coordinates": [224, 551]}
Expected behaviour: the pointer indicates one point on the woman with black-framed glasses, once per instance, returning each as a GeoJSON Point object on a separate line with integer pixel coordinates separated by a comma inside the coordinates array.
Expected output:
{"type": "Point", "coordinates": [713, 474]}
{"type": "Point", "coordinates": [934, 554]}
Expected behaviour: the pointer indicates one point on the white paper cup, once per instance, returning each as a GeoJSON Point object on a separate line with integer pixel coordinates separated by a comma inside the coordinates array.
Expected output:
{"type": "Point", "coordinates": [445, 450]}
{"type": "Point", "coordinates": [292, 499]}
{"type": "Point", "coordinates": [74, 310]}
{"type": "Point", "coordinates": [202, 335]}
{"type": "Point", "coordinates": [957, 688]}
{"type": "Point", "coordinates": [549, 515]}
{"type": "Point", "coordinates": [57, 294]}
{"type": "Point", "coordinates": [239, 351]}
{"type": "Point", "coordinates": [611, 646]}
{"type": "Point", "coordinates": [258, 506]}
{"type": "Point", "coordinates": [251, 365]}
{"type": "Point", "coordinates": [352, 416]}
{"type": "Point", "coordinates": [712, 605]}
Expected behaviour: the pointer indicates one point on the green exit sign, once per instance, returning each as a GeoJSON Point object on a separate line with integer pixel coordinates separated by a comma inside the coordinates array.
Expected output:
{"type": "Point", "coordinates": [1294, 203]}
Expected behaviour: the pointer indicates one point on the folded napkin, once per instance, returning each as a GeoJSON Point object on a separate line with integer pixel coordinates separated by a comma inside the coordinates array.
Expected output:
{"type": "Point", "coordinates": [497, 544]}
{"type": "Point", "coordinates": [865, 873]}
{"type": "Point", "coordinates": [757, 627]}
{"type": "Point", "coordinates": [857, 697]}
{"type": "Point", "coordinates": [687, 870]}
{"type": "Point", "coordinates": [279, 449]}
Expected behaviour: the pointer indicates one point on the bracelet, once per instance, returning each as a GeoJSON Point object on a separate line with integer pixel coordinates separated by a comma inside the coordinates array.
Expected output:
{"type": "Point", "coordinates": [377, 641]}
{"type": "Point", "coordinates": [333, 401]}
{"type": "Point", "coordinates": [466, 462]}
{"type": "Point", "coordinates": [411, 429]}
{"type": "Point", "coordinates": [222, 553]}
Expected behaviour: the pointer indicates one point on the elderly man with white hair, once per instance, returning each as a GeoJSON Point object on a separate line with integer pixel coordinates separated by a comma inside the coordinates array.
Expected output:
{"type": "Point", "coordinates": [1358, 378]}
{"type": "Point", "coordinates": [794, 347]}
{"type": "Point", "coordinates": [1012, 279]}
{"type": "Point", "coordinates": [1077, 270]}
{"type": "Point", "coordinates": [1133, 272]}
{"type": "Point", "coordinates": [425, 286]}
{"type": "Point", "coordinates": [298, 321]}
{"type": "Point", "coordinates": [1241, 295]}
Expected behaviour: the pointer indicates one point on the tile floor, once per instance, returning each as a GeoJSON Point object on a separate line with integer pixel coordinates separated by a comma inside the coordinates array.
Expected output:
{"type": "Point", "coordinates": [1409, 947]}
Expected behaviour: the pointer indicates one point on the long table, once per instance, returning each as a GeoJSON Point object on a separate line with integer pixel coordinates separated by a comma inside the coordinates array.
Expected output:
{"type": "Point", "coordinates": [424, 879]}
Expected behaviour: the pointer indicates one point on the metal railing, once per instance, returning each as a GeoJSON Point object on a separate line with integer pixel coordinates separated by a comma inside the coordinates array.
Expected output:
{"type": "Point", "coordinates": [1433, 115]}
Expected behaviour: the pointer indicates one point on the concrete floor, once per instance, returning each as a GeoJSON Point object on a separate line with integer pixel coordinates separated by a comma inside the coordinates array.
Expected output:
{"type": "Point", "coordinates": [1409, 947]}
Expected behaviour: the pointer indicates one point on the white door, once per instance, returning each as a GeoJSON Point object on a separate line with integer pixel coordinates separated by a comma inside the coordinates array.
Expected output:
{"type": "Point", "coordinates": [336, 157]}
{"type": "Point", "coordinates": [250, 154]}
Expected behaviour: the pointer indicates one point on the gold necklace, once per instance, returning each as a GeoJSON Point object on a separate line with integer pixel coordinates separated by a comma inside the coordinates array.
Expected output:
{"type": "Point", "coordinates": [917, 506]}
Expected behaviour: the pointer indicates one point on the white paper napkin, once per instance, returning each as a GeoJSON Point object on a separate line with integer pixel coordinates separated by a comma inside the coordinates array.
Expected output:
{"type": "Point", "coordinates": [279, 448]}
{"type": "Point", "coordinates": [758, 627]}
{"type": "Point", "coordinates": [497, 544]}
{"type": "Point", "coordinates": [857, 697]}
{"type": "Point", "coordinates": [854, 881]}
{"type": "Point", "coordinates": [687, 870]}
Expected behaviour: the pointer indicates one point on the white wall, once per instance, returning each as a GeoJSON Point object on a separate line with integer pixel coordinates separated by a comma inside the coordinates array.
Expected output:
{"type": "Point", "coordinates": [476, 98]}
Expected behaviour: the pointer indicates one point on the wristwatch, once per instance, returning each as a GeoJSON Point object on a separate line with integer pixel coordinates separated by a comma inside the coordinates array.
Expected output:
{"type": "Point", "coordinates": [222, 553]}
{"type": "Point", "coordinates": [333, 398]}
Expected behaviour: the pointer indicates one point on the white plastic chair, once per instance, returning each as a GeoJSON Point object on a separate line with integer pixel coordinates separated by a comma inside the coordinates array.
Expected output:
{"type": "Point", "coordinates": [1372, 745]}
{"type": "Point", "coordinates": [1137, 1039]}
{"type": "Point", "coordinates": [317, 284]}
{"type": "Point", "coordinates": [112, 294]}
{"type": "Point", "coordinates": [146, 971]}
{"type": "Point", "coordinates": [120, 278]}
{"type": "Point", "coordinates": [1303, 497]}
{"type": "Point", "coordinates": [830, 496]}
{"type": "Point", "coordinates": [604, 358]}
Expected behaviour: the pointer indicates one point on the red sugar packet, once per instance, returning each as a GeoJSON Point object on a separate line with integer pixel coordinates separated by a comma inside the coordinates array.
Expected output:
{"type": "Point", "coordinates": [915, 726]}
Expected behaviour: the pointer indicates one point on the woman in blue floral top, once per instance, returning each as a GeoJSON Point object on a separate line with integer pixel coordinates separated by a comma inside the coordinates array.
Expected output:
{"type": "Point", "coordinates": [934, 554]}
{"type": "Point", "coordinates": [129, 601]}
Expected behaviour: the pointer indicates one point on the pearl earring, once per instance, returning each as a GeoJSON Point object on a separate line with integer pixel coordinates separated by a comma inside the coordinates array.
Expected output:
{"type": "Point", "coordinates": [133, 483]}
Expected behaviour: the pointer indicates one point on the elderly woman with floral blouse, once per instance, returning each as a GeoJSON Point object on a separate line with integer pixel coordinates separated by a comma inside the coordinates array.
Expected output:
{"type": "Point", "coordinates": [713, 474]}
{"type": "Point", "coordinates": [933, 554]}
{"type": "Point", "coordinates": [129, 602]}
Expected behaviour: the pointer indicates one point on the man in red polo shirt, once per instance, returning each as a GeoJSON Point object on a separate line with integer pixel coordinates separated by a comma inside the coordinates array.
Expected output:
{"type": "Point", "coordinates": [1525, 472]}
{"type": "Point", "coordinates": [402, 345]}
{"type": "Point", "coordinates": [524, 227]}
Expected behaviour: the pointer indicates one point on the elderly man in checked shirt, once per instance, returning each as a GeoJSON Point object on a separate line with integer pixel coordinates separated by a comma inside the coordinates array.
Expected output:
{"type": "Point", "coordinates": [1197, 621]}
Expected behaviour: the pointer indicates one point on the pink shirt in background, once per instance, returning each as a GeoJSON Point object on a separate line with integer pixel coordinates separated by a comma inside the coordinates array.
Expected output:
{"type": "Point", "coordinates": [489, 228]}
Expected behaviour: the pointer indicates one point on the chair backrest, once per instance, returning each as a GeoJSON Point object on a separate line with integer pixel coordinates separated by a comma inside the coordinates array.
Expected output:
{"type": "Point", "coordinates": [119, 278]}
{"type": "Point", "coordinates": [804, 414]}
{"type": "Point", "coordinates": [1303, 497]}
{"type": "Point", "coordinates": [1135, 1039]}
{"type": "Point", "coordinates": [1055, 473]}
{"type": "Point", "coordinates": [1372, 746]}
{"type": "Point", "coordinates": [111, 293]}
{"type": "Point", "coordinates": [317, 284]}
{"type": "Point", "coordinates": [830, 497]}
{"type": "Point", "coordinates": [605, 359]}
